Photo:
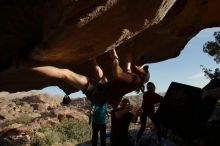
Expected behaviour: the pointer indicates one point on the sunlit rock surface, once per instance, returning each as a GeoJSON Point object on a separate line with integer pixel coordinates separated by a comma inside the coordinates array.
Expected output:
{"type": "Point", "coordinates": [69, 33]}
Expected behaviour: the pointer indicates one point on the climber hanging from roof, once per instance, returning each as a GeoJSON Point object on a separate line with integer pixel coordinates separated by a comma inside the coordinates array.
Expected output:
{"type": "Point", "coordinates": [122, 83]}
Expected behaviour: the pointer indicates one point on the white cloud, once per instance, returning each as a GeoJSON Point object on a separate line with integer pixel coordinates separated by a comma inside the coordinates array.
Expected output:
{"type": "Point", "coordinates": [197, 76]}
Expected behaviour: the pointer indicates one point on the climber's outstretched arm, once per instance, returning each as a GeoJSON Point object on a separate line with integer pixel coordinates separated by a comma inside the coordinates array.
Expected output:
{"type": "Point", "coordinates": [76, 80]}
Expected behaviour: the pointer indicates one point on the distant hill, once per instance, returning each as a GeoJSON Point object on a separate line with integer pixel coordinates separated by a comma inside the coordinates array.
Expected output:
{"type": "Point", "coordinates": [25, 94]}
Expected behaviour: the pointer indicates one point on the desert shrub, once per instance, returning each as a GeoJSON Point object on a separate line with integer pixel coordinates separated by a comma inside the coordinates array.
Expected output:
{"type": "Point", "coordinates": [51, 137]}
{"type": "Point", "coordinates": [37, 141]}
{"type": "Point", "coordinates": [17, 101]}
{"type": "Point", "coordinates": [23, 119]}
{"type": "Point", "coordinates": [218, 102]}
{"type": "Point", "coordinates": [74, 130]}
{"type": "Point", "coordinates": [68, 132]}
{"type": "Point", "coordinates": [48, 138]}
{"type": "Point", "coordinates": [65, 144]}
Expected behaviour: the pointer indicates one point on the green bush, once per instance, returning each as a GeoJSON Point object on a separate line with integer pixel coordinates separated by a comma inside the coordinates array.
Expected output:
{"type": "Point", "coordinates": [218, 102]}
{"type": "Point", "coordinates": [37, 141]}
{"type": "Point", "coordinates": [72, 129]}
{"type": "Point", "coordinates": [17, 101]}
{"type": "Point", "coordinates": [52, 137]}
{"type": "Point", "coordinates": [68, 131]}
{"type": "Point", "coordinates": [23, 119]}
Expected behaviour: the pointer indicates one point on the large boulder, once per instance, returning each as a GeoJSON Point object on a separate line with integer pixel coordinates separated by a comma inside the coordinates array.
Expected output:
{"type": "Point", "coordinates": [69, 33]}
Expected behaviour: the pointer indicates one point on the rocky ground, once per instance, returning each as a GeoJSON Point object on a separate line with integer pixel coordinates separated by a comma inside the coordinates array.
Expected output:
{"type": "Point", "coordinates": [22, 114]}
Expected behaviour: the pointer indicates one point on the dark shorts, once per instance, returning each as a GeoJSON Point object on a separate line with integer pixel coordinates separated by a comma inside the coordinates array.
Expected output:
{"type": "Point", "coordinates": [96, 93]}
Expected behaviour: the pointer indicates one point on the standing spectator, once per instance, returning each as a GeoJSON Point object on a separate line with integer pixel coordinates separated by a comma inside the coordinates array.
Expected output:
{"type": "Point", "coordinates": [99, 113]}
{"type": "Point", "coordinates": [121, 118]}
{"type": "Point", "coordinates": [149, 99]}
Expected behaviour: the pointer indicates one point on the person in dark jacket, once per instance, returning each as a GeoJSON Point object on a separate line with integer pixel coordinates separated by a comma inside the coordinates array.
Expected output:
{"type": "Point", "coordinates": [150, 98]}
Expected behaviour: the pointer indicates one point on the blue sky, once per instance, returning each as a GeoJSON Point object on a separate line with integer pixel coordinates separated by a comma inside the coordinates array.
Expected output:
{"type": "Point", "coordinates": [184, 69]}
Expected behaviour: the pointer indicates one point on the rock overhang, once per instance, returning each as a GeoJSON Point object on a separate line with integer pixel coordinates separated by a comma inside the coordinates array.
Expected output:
{"type": "Point", "coordinates": [70, 33]}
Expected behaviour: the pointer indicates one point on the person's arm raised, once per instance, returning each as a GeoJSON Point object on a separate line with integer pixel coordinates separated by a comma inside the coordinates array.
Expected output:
{"type": "Point", "coordinates": [128, 61]}
{"type": "Point", "coordinates": [118, 73]}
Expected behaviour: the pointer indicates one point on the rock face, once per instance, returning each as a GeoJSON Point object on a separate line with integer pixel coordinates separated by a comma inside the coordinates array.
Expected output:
{"type": "Point", "coordinates": [21, 118]}
{"type": "Point", "coordinates": [69, 33]}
